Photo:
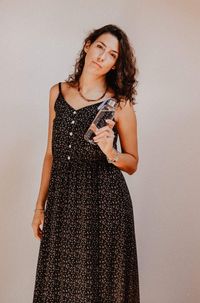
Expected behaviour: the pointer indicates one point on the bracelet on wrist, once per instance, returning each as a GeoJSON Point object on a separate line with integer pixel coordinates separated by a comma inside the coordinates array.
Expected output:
{"type": "Point", "coordinates": [115, 158]}
{"type": "Point", "coordinates": [40, 209]}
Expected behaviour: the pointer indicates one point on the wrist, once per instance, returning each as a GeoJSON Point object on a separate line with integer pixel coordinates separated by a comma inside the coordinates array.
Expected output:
{"type": "Point", "coordinates": [40, 205]}
{"type": "Point", "coordinates": [112, 155]}
{"type": "Point", "coordinates": [39, 210]}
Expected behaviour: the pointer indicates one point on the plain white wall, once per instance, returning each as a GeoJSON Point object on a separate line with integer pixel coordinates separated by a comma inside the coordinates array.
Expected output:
{"type": "Point", "coordinates": [39, 44]}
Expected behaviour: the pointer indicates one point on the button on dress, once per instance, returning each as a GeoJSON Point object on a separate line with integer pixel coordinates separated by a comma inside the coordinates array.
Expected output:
{"type": "Point", "coordinates": [88, 250]}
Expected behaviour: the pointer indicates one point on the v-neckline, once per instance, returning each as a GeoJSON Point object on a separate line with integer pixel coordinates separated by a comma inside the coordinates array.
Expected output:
{"type": "Point", "coordinates": [81, 108]}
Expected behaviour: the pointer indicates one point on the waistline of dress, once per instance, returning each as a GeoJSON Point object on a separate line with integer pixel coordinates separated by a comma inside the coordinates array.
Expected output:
{"type": "Point", "coordinates": [62, 163]}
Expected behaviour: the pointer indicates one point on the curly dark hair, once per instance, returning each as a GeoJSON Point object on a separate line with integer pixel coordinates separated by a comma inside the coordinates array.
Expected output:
{"type": "Point", "coordinates": [122, 79]}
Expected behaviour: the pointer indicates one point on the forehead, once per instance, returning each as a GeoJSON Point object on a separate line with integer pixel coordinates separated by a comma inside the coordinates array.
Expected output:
{"type": "Point", "coordinates": [109, 40]}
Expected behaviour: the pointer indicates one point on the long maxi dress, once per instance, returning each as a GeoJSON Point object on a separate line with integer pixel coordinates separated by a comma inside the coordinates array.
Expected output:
{"type": "Point", "coordinates": [88, 250]}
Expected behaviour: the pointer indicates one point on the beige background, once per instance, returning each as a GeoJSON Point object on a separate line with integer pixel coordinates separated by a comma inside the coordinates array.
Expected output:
{"type": "Point", "coordinates": [39, 43]}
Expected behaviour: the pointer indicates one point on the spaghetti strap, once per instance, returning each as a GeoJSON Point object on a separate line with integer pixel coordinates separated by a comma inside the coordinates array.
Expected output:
{"type": "Point", "coordinates": [59, 84]}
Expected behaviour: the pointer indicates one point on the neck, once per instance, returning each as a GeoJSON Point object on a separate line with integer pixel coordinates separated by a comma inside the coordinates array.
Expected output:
{"type": "Point", "coordinates": [91, 83]}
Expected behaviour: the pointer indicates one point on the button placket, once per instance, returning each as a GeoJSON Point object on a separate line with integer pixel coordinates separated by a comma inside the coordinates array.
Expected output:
{"type": "Point", "coordinates": [71, 132]}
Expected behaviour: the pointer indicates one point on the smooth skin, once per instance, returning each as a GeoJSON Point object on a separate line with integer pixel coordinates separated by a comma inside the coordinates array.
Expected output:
{"type": "Point", "coordinates": [101, 56]}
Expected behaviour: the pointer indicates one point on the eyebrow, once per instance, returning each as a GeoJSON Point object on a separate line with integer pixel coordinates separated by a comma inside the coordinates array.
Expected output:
{"type": "Point", "coordinates": [106, 45]}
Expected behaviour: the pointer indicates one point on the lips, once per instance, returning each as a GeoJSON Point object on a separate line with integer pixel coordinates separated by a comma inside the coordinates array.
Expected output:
{"type": "Point", "coordinates": [97, 64]}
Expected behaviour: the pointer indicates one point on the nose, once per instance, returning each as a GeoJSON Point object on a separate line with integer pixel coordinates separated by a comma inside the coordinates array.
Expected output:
{"type": "Point", "coordinates": [101, 56]}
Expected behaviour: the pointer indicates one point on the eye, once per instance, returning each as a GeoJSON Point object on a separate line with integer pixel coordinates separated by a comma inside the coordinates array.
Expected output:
{"type": "Point", "coordinates": [99, 46]}
{"type": "Point", "coordinates": [114, 56]}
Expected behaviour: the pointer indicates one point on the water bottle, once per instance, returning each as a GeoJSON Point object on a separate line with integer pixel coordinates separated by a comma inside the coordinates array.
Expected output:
{"type": "Point", "coordinates": [107, 110]}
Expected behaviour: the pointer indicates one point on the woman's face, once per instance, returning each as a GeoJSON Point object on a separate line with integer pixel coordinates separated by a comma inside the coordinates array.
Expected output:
{"type": "Point", "coordinates": [102, 54]}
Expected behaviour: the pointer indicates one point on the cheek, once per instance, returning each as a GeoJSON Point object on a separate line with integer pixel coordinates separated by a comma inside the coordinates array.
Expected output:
{"type": "Point", "coordinates": [96, 51]}
{"type": "Point", "coordinates": [111, 61]}
{"type": "Point", "coordinates": [91, 53]}
{"type": "Point", "coordinates": [109, 65]}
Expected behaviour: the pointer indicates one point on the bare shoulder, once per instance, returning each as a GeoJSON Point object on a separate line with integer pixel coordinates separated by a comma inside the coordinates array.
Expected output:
{"type": "Point", "coordinates": [66, 87]}
{"type": "Point", "coordinates": [54, 90]}
{"type": "Point", "coordinates": [124, 110]}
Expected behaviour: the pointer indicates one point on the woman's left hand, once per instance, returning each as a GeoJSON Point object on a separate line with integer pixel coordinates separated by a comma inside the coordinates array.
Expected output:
{"type": "Point", "coordinates": [104, 136]}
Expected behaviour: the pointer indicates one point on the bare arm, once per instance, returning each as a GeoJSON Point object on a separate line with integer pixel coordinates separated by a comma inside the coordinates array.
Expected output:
{"type": "Point", "coordinates": [126, 124]}
{"type": "Point", "coordinates": [48, 158]}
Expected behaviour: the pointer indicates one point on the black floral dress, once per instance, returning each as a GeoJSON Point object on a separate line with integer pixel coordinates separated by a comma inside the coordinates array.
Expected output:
{"type": "Point", "coordinates": [88, 249]}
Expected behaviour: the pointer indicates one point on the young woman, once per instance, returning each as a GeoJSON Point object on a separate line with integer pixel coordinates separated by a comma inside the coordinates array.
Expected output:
{"type": "Point", "coordinates": [88, 248]}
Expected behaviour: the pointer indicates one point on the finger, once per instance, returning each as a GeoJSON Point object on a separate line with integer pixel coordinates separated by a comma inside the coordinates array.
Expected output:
{"type": "Point", "coordinates": [102, 129]}
{"type": "Point", "coordinates": [97, 130]}
{"type": "Point", "coordinates": [38, 237]}
{"type": "Point", "coordinates": [37, 232]}
{"type": "Point", "coordinates": [110, 122]}
{"type": "Point", "coordinates": [103, 136]}
{"type": "Point", "coordinates": [106, 132]}
{"type": "Point", "coordinates": [94, 128]}
{"type": "Point", "coordinates": [103, 139]}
